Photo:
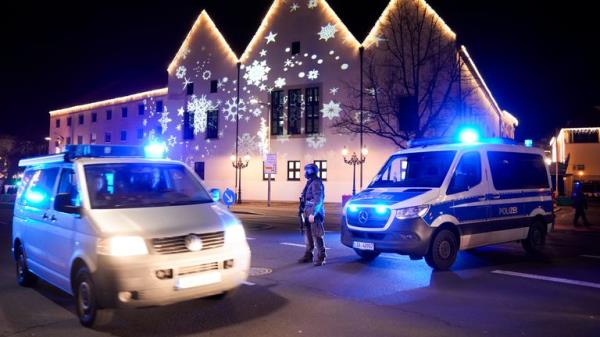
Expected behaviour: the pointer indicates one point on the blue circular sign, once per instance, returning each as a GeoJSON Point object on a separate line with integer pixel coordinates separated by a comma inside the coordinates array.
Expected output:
{"type": "Point", "coordinates": [228, 197]}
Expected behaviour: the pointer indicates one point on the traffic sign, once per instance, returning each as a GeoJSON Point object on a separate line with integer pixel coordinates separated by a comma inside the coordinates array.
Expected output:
{"type": "Point", "coordinates": [271, 164]}
{"type": "Point", "coordinates": [228, 197]}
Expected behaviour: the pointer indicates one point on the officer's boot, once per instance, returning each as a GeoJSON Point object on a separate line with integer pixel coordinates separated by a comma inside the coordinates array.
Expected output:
{"type": "Point", "coordinates": [310, 245]}
{"type": "Point", "coordinates": [321, 251]}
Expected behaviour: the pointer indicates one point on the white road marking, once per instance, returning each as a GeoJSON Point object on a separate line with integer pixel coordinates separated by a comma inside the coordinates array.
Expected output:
{"type": "Point", "coordinates": [297, 245]}
{"type": "Point", "coordinates": [248, 283]}
{"type": "Point", "coordinates": [591, 256]}
{"type": "Point", "coordinates": [549, 278]}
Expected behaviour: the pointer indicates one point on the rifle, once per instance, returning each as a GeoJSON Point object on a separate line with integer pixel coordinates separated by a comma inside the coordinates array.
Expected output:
{"type": "Point", "coordinates": [301, 214]}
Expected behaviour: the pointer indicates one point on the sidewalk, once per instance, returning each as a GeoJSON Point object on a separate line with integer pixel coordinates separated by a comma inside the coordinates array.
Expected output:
{"type": "Point", "coordinates": [565, 214]}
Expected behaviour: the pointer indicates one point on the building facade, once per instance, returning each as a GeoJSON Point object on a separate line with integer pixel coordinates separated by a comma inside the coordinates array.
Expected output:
{"type": "Point", "coordinates": [301, 74]}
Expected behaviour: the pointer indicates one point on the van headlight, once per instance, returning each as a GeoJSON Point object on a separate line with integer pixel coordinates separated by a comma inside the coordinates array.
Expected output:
{"type": "Point", "coordinates": [234, 234]}
{"type": "Point", "coordinates": [412, 212]}
{"type": "Point", "coordinates": [122, 246]}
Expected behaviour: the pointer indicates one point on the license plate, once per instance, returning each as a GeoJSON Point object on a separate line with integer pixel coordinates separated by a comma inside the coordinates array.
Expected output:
{"type": "Point", "coordinates": [198, 280]}
{"type": "Point", "coordinates": [363, 245]}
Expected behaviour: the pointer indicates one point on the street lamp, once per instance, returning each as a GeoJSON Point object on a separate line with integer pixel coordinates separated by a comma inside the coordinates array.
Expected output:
{"type": "Point", "coordinates": [355, 160]}
{"type": "Point", "coordinates": [239, 164]}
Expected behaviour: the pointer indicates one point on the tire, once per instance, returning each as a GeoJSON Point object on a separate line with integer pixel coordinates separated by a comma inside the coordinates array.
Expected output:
{"type": "Point", "coordinates": [536, 239]}
{"type": "Point", "coordinates": [367, 255]}
{"type": "Point", "coordinates": [89, 312]}
{"type": "Point", "coordinates": [443, 250]}
{"type": "Point", "coordinates": [25, 278]}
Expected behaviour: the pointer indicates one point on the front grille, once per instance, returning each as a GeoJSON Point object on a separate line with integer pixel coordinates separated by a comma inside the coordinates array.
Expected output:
{"type": "Point", "coordinates": [176, 244]}
{"type": "Point", "coordinates": [374, 219]}
{"type": "Point", "coordinates": [198, 268]}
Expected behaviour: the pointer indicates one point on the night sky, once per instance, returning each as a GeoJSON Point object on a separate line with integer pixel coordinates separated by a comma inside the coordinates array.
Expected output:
{"type": "Point", "coordinates": [539, 59]}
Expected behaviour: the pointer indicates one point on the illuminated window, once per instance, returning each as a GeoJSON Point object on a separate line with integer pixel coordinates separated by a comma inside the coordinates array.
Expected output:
{"type": "Point", "coordinates": [123, 135]}
{"type": "Point", "coordinates": [124, 112]}
{"type": "Point", "coordinates": [294, 113]}
{"type": "Point", "coordinates": [579, 167]}
{"type": "Point", "coordinates": [189, 89]}
{"type": "Point", "coordinates": [140, 133]}
{"type": "Point", "coordinates": [188, 126]}
{"type": "Point", "coordinates": [57, 122]}
{"type": "Point", "coordinates": [107, 137]}
{"type": "Point", "coordinates": [94, 117]}
{"type": "Point", "coordinates": [80, 119]}
{"type": "Point", "coordinates": [293, 170]}
{"type": "Point", "coordinates": [212, 124]}
{"type": "Point", "coordinates": [108, 115]}
{"type": "Point", "coordinates": [277, 101]}
{"type": "Point", "coordinates": [141, 109]}
{"type": "Point", "coordinates": [312, 110]}
{"type": "Point", "coordinates": [295, 47]}
{"type": "Point", "coordinates": [69, 121]}
{"type": "Point", "coordinates": [93, 138]}
{"type": "Point", "coordinates": [159, 106]}
{"type": "Point", "coordinates": [214, 86]}
{"type": "Point", "coordinates": [322, 165]}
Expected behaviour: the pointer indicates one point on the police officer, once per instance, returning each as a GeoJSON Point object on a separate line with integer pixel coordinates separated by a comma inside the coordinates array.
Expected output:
{"type": "Point", "coordinates": [312, 215]}
{"type": "Point", "coordinates": [580, 205]}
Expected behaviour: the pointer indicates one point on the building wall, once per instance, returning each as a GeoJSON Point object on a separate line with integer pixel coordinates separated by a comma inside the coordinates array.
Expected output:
{"type": "Point", "coordinates": [586, 154]}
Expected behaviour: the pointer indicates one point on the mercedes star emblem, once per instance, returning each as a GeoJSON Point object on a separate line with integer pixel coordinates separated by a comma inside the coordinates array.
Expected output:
{"type": "Point", "coordinates": [193, 243]}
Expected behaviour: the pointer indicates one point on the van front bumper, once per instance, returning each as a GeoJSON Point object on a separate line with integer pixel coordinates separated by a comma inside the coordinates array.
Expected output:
{"type": "Point", "coordinates": [135, 278]}
{"type": "Point", "coordinates": [406, 237]}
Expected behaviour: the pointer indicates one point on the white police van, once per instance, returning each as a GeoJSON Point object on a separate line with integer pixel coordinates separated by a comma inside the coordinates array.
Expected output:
{"type": "Point", "coordinates": [439, 197]}
{"type": "Point", "coordinates": [116, 229]}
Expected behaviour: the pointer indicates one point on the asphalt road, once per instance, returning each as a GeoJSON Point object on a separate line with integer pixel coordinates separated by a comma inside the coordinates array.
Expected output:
{"type": "Point", "coordinates": [493, 291]}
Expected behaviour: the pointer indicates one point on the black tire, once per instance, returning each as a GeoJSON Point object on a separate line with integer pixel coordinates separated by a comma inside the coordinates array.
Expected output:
{"type": "Point", "coordinates": [367, 255]}
{"type": "Point", "coordinates": [536, 239]}
{"type": "Point", "coordinates": [443, 250]}
{"type": "Point", "coordinates": [25, 278]}
{"type": "Point", "coordinates": [89, 312]}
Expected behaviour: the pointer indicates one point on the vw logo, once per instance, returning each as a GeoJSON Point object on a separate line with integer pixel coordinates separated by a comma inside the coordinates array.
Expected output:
{"type": "Point", "coordinates": [363, 216]}
{"type": "Point", "coordinates": [193, 243]}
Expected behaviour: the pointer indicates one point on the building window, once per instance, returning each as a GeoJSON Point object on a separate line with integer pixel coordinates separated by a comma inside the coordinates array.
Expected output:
{"type": "Point", "coordinates": [124, 112]}
{"type": "Point", "coordinates": [322, 165]}
{"type": "Point", "coordinates": [579, 167]}
{"type": "Point", "coordinates": [295, 47]}
{"type": "Point", "coordinates": [189, 89]}
{"type": "Point", "coordinates": [107, 137]}
{"type": "Point", "coordinates": [266, 176]}
{"type": "Point", "coordinates": [108, 115]}
{"type": "Point", "coordinates": [212, 124]}
{"type": "Point", "coordinates": [94, 117]}
{"type": "Point", "coordinates": [79, 139]}
{"type": "Point", "coordinates": [294, 113]}
{"type": "Point", "coordinates": [312, 110]}
{"type": "Point", "coordinates": [277, 99]}
{"type": "Point", "coordinates": [123, 135]}
{"type": "Point", "coordinates": [199, 169]}
{"type": "Point", "coordinates": [69, 121]}
{"type": "Point", "coordinates": [80, 119]}
{"type": "Point", "coordinates": [68, 140]}
{"type": "Point", "coordinates": [293, 170]}
{"type": "Point", "coordinates": [93, 138]}
{"type": "Point", "coordinates": [214, 86]}
{"type": "Point", "coordinates": [160, 106]}
{"type": "Point", "coordinates": [188, 126]}
{"type": "Point", "coordinates": [57, 122]}
{"type": "Point", "coordinates": [140, 133]}
{"type": "Point", "coordinates": [141, 109]}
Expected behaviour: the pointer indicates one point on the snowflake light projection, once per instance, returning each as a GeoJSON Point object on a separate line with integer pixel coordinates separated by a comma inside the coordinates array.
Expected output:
{"type": "Point", "coordinates": [331, 110]}
{"type": "Point", "coordinates": [280, 82]}
{"type": "Point", "coordinates": [247, 144]}
{"type": "Point", "coordinates": [327, 32]}
{"type": "Point", "coordinates": [334, 91]}
{"type": "Point", "coordinates": [313, 74]}
{"type": "Point", "coordinates": [164, 120]}
{"type": "Point", "coordinates": [263, 137]}
{"type": "Point", "coordinates": [271, 37]}
{"type": "Point", "coordinates": [294, 7]}
{"type": "Point", "coordinates": [180, 111]}
{"type": "Point", "coordinates": [316, 141]}
{"type": "Point", "coordinates": [256, 112]}
{"type": "Point", "coordinates": [312, 4]}
{"type": "Point", "coordinates": [180, 72]}
{"type": "Point", "coordinates": [199, 108]}
{"type": "Point", "coordinates": [231, 109]}
{"type": "Point", "coordinates": [206, 74]}
{"type": "Point", "coordinates": [257, 72]}
{"type": "Point", "coordinates": [186, 82]}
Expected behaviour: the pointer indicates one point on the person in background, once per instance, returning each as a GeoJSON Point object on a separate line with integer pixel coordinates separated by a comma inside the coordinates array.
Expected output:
{"type": "Point", "coordinates": [580, 205]}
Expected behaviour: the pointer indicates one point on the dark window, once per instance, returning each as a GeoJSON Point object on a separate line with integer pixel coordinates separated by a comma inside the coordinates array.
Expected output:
{"type": "Point", "coordinates": [199, 169]}
{"type": "Point", "coordinates": [295, 47]}
{"type": "Point", "coordinates": [214, 86]}
{"type": "Point", "coordinates": [188, 126]}
{"type": "Point", "coordinates": [579, 167]}
{"type": "Point", "coordinates": [68, 140]}
{"type": "Point", "coordinates": [93, 138]}
{"type": "Point", "coordinates": [212, 124]}
{"type": "Point", "coordinates": [293, 170]}
{"type": "Point", "coordinates": [57, 122]}
{"type": "Point", "coordinates": [40, 188]}
{"type": "Point", "coordinates": [124, 112]}
{"type": "Point", "coordinates": [277, 99]}
{"type": "Point", "coordinates": [68, 185]}
{"type": "Point", "coordinates": [322, 165]}
{"type": "Point", "coordinates": [107, 137]}
{"type": "Point", "coordinates": [141, 109]}
{"type": "Point", "coordinates": [140, 133]}
{"type": "Point", "coordinates": [512, 171]}
{"type": "Point", "coordinates": [79, 139]}
{"type": "Point", "coordinates": [312, 110]}
{"type": "Point", "coordinates": [266, 176]}
{"type": "Point", "coordinates": [80, 119]}
{"type": "Point", "coordinates": [189, 89]}
{"type": "Point", "coordinates": [94, 117]}
{"type": "Point", "coordinates": [294, 113]}
{"type": "Point", "coordinates": [467, 173]}
{"type": "Point", "coordinates": [123, 135]}
{"type": "Point", "coordinates": [583, 136]}
{"type": "Point", "coordinates": [108, 115]}
{"type": "Point", "coordinates": [69, 121]}
{"type": "Point", "coordinates": [160, 106]}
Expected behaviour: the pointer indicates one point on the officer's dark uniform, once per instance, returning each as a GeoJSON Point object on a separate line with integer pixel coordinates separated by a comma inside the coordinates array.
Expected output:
{"type": "Point", "coordinates": [313, 197]}
{"type": "Point", "coordinates": [580, 205]}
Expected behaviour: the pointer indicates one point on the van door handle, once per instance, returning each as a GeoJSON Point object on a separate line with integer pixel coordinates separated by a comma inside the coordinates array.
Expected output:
{"type": "Point", "coordinates": [53, 218]}
{"type": "Point", "coordinates": [495, 196]}
{"type": "Point", "coordinates": [45, 216]}
{"type": "Point", "coordinates": [481, 198]}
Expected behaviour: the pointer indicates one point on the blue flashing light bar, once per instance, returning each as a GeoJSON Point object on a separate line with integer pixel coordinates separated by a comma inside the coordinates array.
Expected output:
{"type": "Point", "coordinates": [155, 150]}
{"type": "Point", "coordinates": [79, 151]}
{"type": "Point", "coordinates": [528, 142]}
{"type": "Point", "coordinates": [424, 142]}
{"type": "Point", "coordinates": [468, 136]}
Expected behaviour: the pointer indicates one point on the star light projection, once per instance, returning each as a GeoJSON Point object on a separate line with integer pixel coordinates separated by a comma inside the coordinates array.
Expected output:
{"type": "Point", "coordinates": [271, 37]}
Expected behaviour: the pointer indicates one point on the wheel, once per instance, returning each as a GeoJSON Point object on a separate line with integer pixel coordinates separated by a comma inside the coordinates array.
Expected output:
{"type": "Point", "coordinates": [536, 239]}
{"type": "Point", "coordinates": [367, 255]}
{"type": "Point", "coordinates": [25, 278]}
{"type": "Point", "coordinates": [443, 250]}
{"type": "Point", "coordinates": [89, 312]}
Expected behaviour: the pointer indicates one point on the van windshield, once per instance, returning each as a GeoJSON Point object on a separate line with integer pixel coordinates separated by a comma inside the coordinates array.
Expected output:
{"type": "Point", "coordinates": [420, 169]}
{"type": "Point", "coordinates": [133, 185]}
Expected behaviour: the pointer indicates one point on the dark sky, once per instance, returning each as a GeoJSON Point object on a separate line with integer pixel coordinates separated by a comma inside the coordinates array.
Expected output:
{"type": "Point", "coordinates": [539, 59]}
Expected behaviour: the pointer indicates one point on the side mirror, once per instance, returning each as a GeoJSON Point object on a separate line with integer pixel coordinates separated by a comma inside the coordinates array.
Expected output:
{"type": "Point", "coordinates": [63, 204]}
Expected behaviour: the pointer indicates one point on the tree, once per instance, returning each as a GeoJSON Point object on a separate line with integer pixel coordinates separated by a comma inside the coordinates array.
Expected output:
{"type": "Point", "coordinates": [412, 79]}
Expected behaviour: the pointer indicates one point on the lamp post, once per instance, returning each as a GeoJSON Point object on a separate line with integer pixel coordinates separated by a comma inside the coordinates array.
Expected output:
{"type": "Point", "coordinates": [239, 164]}
{"type": "Point", "coordinates": [355, 160]}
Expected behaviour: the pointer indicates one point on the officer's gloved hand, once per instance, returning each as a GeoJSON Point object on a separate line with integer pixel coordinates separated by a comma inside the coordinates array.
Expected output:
{"type": "Point", "coordinates": [311, 218]}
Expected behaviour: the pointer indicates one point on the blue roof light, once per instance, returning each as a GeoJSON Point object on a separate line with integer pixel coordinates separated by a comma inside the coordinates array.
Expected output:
{"type": "Point", "coordinates": [155, 150]}
{"type": "Point", "coordinates": [468, 135]}
{"type": "Point", "coordinates": [528, 142]}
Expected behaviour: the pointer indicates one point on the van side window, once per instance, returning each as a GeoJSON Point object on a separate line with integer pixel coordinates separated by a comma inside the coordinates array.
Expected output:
{"type": "Point", "coordinates": [467, 174]}
{"type": "Point", "coordinates": [512, 171]}
{"type": "Point", "coordinates": [38, 192]}
{"type": "Point", "coordinates": [68, 185]}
